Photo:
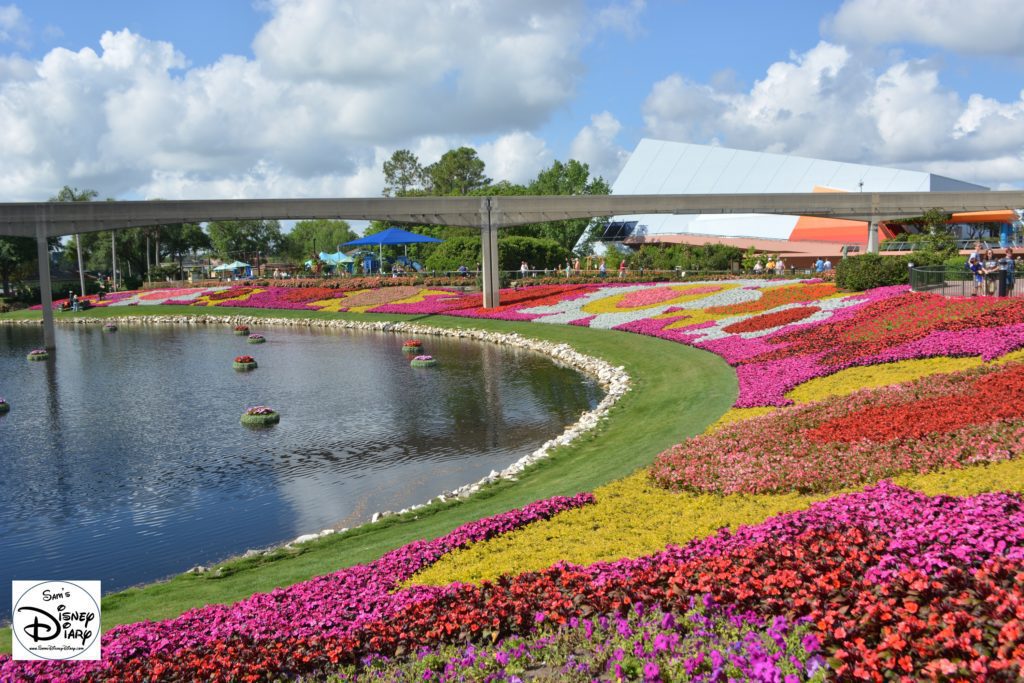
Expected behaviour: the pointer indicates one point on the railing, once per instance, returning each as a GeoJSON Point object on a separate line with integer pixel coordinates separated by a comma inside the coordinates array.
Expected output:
{"type": "Point", "coordinates": [958, 281]}
{"type": "Point", "coordinates": [891, 245]}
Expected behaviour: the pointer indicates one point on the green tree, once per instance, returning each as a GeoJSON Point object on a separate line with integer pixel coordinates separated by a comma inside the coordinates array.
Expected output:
{"type": "Point", "coordinates": [15, 253]}
{"type": "Point", "coordinates": [458, 172]}
{"type": "Point", "coordinates": [403, 174]}
{"type": "Point", "coordinates": [311, 236]}
{"type": "Point", "coordinates": [180, 239]}
{"type": "Point", "coordinates": [570, 178]}
{"type": "Point", "coordinates": [245, 239]}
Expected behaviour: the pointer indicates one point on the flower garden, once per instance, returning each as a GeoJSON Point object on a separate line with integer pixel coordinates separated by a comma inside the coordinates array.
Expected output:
{"type": "Point", "coordinates": [857, 515]}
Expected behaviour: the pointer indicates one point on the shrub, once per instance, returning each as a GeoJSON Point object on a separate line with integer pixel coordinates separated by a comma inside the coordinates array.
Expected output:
{"type": "Point", "coordinates": [867, 271]}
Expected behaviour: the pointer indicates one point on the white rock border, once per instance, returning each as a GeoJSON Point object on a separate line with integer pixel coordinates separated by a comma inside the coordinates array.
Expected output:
{"type": "Point", "coordinates": [614, 380]}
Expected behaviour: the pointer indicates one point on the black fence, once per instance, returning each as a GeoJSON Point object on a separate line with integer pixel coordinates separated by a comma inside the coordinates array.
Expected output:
{"type": "Point", "coordinates": [959, 281]}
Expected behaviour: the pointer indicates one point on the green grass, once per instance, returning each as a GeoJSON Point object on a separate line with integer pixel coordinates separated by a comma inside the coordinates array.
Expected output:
{"type": "Point", "coordinates": [676, 392]}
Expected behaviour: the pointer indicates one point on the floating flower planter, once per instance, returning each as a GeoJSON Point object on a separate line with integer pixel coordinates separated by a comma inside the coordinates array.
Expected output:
{"type": "Point", "coordinates": [4, 406]}
{"type": "Point", "coordinates": [423, 362]}
{"type": "Point", "coordinates": [257, 339]}
{"type": "Point", "coordinates": [260, 416]}
{"type": "Point", "coordinates": [412, 346]}
{"type": "Point", "coordinates": [110, 327]}
{"type": "Point", "coordinates": [38, 354]}
{"type": "Point", "coordinates": [241, 329]}
{"type": "Point", "coordinates": [244, 363]}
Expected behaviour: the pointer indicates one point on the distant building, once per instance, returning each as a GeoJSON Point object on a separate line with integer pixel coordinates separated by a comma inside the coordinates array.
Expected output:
{"type": "Point", "coordinates": [661, 167]}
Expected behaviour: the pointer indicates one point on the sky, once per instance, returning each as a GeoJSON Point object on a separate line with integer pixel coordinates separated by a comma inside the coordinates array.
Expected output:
{"type": "Point", "coordinates": [307, 98]}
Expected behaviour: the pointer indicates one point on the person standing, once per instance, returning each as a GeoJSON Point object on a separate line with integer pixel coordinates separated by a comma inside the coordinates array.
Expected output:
{"type": "Point", "coordinates": [770, 266]}
{"type": "Point", "coordinates": [780, 267]}
{"type": "Point", "coordinates": [974, 265]}
{"type": "Point", "coordinates": [622, 269]}
{"type": "Point", "coordinates": [990, 267]}
{"type": "Point", "coordinates": [758, 267]}
{"type": "Point", "coordinates": [523, 269]}
{"type": "Point", "coordinates": [602, 269]}
{"type": "Point", "coordinates": [827, 266]}
{"type": "Point", "coordinates": [819, 265]}
{"type": "Point", "coordinates": [1008, 264]}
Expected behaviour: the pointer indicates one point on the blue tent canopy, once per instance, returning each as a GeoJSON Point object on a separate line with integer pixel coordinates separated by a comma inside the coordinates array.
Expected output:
{"type": "Point", "coordinates": [335, 258]}
{"type": "Point", "coordinates": [392, 236]}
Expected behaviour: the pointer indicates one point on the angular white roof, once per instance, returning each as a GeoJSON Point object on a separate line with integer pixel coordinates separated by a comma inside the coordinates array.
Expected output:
{"type": "Point", "coordinates": [662, 167]}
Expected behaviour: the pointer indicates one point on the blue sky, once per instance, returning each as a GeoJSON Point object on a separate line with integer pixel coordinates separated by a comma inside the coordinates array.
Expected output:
{"type": "Point", "coordinates": [238, 98]}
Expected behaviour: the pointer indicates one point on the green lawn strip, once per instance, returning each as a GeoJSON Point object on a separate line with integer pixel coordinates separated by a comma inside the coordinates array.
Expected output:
{"type": "Point", "coordinates": [676, 391]}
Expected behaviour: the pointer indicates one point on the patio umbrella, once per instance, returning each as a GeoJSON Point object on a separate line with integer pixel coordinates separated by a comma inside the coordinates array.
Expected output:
{"type": "Point", "coordinates": [391, 236]}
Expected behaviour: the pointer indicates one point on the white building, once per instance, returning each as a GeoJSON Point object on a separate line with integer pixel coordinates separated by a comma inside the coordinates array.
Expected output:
{"type": "Point", "coordinates": [661, 167]}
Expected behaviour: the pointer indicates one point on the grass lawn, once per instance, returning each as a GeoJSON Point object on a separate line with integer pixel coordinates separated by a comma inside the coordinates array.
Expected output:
{"type": "Point", "coordinates": [676, 392]}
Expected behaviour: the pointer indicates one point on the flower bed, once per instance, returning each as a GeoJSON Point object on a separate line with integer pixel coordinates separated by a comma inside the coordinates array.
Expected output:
{"type": "Point", "coordinates": [423, 361]}
{"type": "Point", "coordinates": [260, 416]}
{"type": "Point", "coordinates": [244, 363]}
{"type": "Point", "coordinates": [38, 354]}
{"type": "Point", "coordinates": [854, 567]}
{"type": "Point", "coordinates": [257, 339]}
{"type": "Point", "coordinates": [262, 636]}
{"type": "Point", "coordinates": [940, 421]}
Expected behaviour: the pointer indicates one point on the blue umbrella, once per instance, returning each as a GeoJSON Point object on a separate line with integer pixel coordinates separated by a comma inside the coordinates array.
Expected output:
{"type": "Point", "coordinates": [391, 236]}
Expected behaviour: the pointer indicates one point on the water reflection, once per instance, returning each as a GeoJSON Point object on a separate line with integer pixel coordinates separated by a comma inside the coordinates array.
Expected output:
{"type": "Point", "coordinates": [123, 458]}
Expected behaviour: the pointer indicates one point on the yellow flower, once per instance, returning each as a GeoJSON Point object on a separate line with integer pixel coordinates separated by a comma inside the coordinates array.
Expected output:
{"type": "Point", "coordinates": [610, 304]}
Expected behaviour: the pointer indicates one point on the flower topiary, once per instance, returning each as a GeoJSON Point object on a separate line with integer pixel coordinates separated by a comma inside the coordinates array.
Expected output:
{"type": "Point", "coordinates": [110, 327]}
{"type": "Point", "coordinates": [38, 354]}
{"type": "Point", "coordinates": [241, 329]}
{"type": "Point", "coordinates": [4, 406]}
{"type": "Point", "coordinates": [412, 346]}
{"type": "Point", "coordinates": [423, 362]}
{"type": "Point", "coordinates": [244, 363]}
{"type": "Point", "coordinates": [260, 416]}
{"type": "Point", "coordinates": [257, 339]}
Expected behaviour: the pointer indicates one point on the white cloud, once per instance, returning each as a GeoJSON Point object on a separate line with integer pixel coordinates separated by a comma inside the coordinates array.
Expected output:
{"type": "Point", "coordinates": [827, 103]}
{"type": "Point", "coordinates": [12, 24]}
{"type": "Point", "coordinates": [330, 87]}
{"type": "Point", "coordinates": [622, 17]}
{"type": "Point", "coordinates": [988, 27]}
{"type": "Point", "coordinates": [595, 145]}
{"type": "Point", "coordinates": [517, 157]}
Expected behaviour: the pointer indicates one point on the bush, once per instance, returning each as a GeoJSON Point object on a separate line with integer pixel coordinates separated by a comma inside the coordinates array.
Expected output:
{"type": "Point", "coordinates": [866, 271]}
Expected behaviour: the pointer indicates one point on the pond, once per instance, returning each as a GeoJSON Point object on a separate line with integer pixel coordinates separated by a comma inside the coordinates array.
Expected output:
{"type": "Point", "coordinates": [123, 459]}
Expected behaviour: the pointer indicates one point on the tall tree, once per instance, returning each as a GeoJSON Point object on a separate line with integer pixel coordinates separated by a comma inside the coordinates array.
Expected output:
{"type": "Point", "coordinates": [15, 253]}
{"type": "Point", "coordinates": [459, 172]}
{"type": "Point", "coordinates": [403, 174]}
{"type": "Point", "coordinates": [180, 239]}
{"type": "Point", "coordinates": [570, 178]}
{"type": "Point", "coordinates": [311, 236]}
{"type": "Point", "coordinates": [245, 239]}
{"type": "Point", "coordinates": [73, 194]}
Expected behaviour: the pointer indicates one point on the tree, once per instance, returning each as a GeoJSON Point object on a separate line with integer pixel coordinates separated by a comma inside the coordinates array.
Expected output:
{"type": "Point", "coordinates": [245, 239]}
{"type": "Point", "coordinates": [403, 174]}
{"type": "Point", "coordinates": [183, 238]}
{"type": "Point", "coordinates": [458, 172]}
{"type": "Point", "coordinates": [73, 194]}
{"type": "Point", "coordinates": [15, 252]}
{"type": "Point", "coordinates": [570, 178]}
{"type": "Point", "coordinates": [309, 237]}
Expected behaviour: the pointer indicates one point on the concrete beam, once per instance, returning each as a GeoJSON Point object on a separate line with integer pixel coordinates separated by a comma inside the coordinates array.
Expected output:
{"type": "Point", "coordinates": [45, 288]}
{"type": "Point", "coordinates": [63, 218]}
{"type": "Point", "coordinates": [489, 247]}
